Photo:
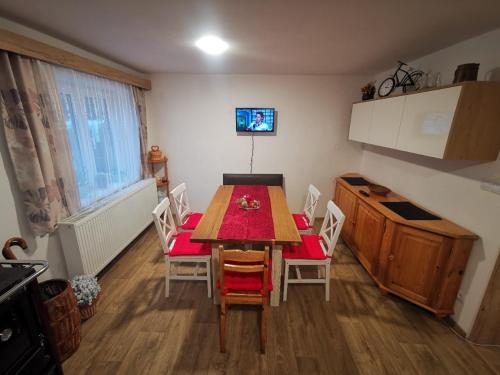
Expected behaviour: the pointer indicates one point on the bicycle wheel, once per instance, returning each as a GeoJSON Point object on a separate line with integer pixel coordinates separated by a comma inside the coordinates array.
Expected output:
{"type": "Point", "coordinates": [413, 81]}
{"type": "Point", "coordinates": [386, 87]}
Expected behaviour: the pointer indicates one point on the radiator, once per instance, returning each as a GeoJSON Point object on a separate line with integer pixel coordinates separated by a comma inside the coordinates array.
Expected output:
{"type": "Point", "coordinates": [93, 238]}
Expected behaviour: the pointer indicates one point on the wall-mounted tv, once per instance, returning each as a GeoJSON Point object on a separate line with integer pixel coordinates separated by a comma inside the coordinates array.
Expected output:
{"type": "Point", "coordinates": [255, 120]}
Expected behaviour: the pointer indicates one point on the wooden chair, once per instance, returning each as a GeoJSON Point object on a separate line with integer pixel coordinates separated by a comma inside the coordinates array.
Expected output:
{"type": "Point", "coordinates": [305, 220]}
{"type": "Point", "coordinates": [186, 219]}
{"type": "Point", "coordinates": [269, 179]}
{"type": "Point", "coordinates": [245, 278]}
{"type": "Point", "coordinates": [178, 248]}
{"type": "Point", "coordinates": [315, 250]}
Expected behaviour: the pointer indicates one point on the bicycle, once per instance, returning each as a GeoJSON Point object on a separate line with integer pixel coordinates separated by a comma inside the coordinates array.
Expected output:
{"type": "Point", "coordinates": [410, 78]}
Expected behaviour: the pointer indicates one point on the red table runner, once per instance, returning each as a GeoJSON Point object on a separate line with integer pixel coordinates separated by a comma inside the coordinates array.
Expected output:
{"type": "Point", "coordinates": [240, 224]}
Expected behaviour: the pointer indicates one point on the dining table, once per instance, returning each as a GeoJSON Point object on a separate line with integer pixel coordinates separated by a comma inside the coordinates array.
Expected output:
{"type": "Point", "coordinates": [226, 222]}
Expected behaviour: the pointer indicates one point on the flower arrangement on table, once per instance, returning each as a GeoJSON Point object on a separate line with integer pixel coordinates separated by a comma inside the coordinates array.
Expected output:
{"type": "Point", "coordinates": [247, 202]}
{"type": "Point", "coordinates": [87, 290]}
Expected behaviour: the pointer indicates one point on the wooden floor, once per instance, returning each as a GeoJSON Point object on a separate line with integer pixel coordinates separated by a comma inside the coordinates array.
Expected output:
{"type": "Point", "coordinates": [360, 331]}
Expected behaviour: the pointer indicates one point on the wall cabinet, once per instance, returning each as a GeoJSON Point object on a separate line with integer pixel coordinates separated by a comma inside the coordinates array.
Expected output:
{"type": "Point", "coordinates": [385, 122]}
{"type": "Point", "coordinates": [361, 116]}
{"type": "Point", "coordinates": [419, 260]}
{"type": "Point", "coordinates": [460, 122]}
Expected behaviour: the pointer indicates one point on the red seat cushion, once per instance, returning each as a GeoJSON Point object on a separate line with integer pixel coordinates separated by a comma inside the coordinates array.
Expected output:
{"type": "Point", "coordinates": [184, 247]}
{"type": "Point", "coordinates": [248, 282]}
{"type": "Point", "coordinates": [192, 221]}
{"type": "Point", "coordinates": [301, 221]}
{"type": "Point", "coordinates": [309, 249]}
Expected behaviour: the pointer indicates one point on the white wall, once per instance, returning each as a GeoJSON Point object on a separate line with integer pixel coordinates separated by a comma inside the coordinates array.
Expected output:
{"type": "Point", "coordinates": [193, 120]}
{"type": "Point", "coordinates": [13, 221]}
{"type": "Point", "coordinates": [451, 188]}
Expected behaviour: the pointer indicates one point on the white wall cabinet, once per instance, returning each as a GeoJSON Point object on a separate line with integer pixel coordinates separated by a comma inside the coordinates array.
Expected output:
{"type": "Point", "coordinates": [426, 121]}
{"type": "Point", "coordinates": [459, 122]}
{"type": "Point", "coordinates": [386, 120]}
{"type": "Point", "coordinates": [361, 118]}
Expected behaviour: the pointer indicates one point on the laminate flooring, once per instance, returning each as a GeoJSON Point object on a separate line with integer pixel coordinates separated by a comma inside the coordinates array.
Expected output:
{"type": "Point", "coordinates": [360, 331]}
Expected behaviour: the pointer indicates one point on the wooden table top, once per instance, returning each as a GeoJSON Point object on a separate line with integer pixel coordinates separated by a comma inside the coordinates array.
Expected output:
{"type": "Point", "coordinates": [443, 227]}
{"type": "Point", "coordinates": [285, 231]}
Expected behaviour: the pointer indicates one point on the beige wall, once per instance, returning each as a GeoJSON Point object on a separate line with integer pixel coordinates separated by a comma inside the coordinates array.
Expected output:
{"type": "Point", "coordinates": [12, 218]}
{"type": "Point", "coordinates": [452, 189]}
{"type": "Point", "coordinates": [193, 120]}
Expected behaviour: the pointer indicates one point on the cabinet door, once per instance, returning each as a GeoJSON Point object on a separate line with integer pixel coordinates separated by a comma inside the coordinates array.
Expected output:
{"type": "Point", "coordinates": [368, 236]}
{"type": "Point", "coordinates": [347, 202]}
{"type": "Point", "coordinates": [386, 120]}
{"type": "Point", "coordinates": [415, 263]}
{"type": "Point", "coordinates": [426, 121]}
{"type": "Point", "coordinates": [361, 118]}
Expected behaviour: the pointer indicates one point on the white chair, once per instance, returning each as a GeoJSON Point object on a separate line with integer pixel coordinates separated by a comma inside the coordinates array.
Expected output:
{"type": "Point", "coordinates": [186, 220]}
{"type": "Point", "coordinates": [305, 220]}
{"type": "Point", "coordinates": [178, 248]}
{"type": "Point", "coordinates": [315, 250]}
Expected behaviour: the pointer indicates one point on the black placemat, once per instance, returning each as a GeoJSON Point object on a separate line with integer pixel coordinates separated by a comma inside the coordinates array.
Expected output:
{"type": "Point", "coordinates": [356, 181]}
{"type": "Point", "coordinates": [409, 211]}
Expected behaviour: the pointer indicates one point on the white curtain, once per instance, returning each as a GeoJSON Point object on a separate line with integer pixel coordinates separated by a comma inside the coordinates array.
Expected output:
{"type": "Point", "coordinates": [103, 132]}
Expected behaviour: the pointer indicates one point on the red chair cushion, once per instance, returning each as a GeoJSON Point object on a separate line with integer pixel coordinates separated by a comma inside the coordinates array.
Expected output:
{"type": "Point", "coordinates": [248, 282]}
{"type": "Point", "coordinates": [192, 221]}
{"type": "Point", "coordinates": [309, 249]}
{"type": "Point", "coordinates": [184, 247]}
{"type": "Point", "coordinates": [301, 221]}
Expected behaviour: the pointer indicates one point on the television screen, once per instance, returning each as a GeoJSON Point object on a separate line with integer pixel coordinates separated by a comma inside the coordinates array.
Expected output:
{"type": "Point", "coordinates": [255, 120]}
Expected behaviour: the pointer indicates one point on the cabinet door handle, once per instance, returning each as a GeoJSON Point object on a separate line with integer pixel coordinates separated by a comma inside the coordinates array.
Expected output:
{"type": "Point", "coordinates": [391, 257]}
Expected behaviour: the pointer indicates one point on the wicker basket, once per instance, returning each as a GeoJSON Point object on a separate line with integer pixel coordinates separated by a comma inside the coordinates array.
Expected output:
{"type": "Point", "coordinates": [88, 311]}
{"type": "Point", "coordinates": [63, 317]}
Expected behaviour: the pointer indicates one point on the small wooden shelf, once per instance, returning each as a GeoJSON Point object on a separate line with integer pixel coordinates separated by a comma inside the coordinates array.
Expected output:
{"type": "Point", "coordinates": [162, 163]}
{"type": "Point", "coordinates": [162, 184]}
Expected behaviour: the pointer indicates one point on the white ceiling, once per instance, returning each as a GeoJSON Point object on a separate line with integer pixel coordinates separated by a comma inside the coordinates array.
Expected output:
{"type": "Point", "coordinates": [266, 36]}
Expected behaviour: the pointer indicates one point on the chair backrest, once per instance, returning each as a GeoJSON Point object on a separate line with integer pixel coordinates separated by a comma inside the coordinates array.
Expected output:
{"type": "Point", "coordinates": [164, 223]}
{"type": "Point", "coordinates": [312, 200]}
{"type": "Point", "coordinates": [330, 230]}
{"type": "Point", "coordinates": [245, 261]}
{"type": "Point", "coordinates": [252, 179]}
{"type": "Point", "coordinates": [180, 201]}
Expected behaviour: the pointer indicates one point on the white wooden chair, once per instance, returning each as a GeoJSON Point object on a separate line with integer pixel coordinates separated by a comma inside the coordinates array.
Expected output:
{"type": "Point", "coordinates": [178, 248]}
{"type": "Point", "coordinates": [186, 220]}
{"type": "Point", "coordinates": [315, 250]}
{"type": "Point", "coordinates": [305, 220]}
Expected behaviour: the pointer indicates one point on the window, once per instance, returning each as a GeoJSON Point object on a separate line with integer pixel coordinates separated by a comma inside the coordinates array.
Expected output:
{"type": "Point", "coordinates": [103, 131]}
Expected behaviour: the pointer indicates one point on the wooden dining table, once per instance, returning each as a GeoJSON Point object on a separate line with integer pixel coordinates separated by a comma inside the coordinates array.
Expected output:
{"type": "Point", "coordinates": [285, 232]}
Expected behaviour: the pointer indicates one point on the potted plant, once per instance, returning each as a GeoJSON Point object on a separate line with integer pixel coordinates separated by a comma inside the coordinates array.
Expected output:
{"type": "Point", "coordinates": [87, 291]}
{"type": "Point", "coordinates": [368, 91]}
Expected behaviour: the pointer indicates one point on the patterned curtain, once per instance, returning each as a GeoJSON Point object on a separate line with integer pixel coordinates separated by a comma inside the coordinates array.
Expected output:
{"type": "Point", "coordinates": [140, 103]}
{"type": "Point", "coordinates": [36, 138]}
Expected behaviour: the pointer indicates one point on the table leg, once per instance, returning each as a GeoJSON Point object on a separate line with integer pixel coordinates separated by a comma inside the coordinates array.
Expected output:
{"type": "Point", "coordinates": [215, 273]}
{"type": "Point", "coordinates": [275, 294]}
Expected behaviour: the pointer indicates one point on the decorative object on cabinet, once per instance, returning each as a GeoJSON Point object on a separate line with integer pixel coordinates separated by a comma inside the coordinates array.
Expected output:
{"type": "Point", "coordinates": [466, 72]}
{"type": "Point", "coordinates": [57, 302]}
{"type": "Point", "coordinates": [422, 261]}
{"type": "Point", "coordinates": [379, 189]}
{"type": "Point", "coordinates": [406, 79]}
{"type": "Point", "coordinates": [368, 91]}
{"type": "Point", "coordinates": [87, 291]}
{"type": "Point", "coordinates": [458, 122]}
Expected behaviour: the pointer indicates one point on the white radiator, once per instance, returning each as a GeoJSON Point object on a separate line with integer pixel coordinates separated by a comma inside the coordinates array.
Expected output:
{"type": "Point", "coordinates": [93, 238]}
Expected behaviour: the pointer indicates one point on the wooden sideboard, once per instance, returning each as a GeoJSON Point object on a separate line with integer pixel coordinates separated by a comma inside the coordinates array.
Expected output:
{"type": "Point", "coordinates": [422, 261]}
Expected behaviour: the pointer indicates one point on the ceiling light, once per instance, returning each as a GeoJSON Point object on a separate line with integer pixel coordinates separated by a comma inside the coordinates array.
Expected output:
{"type": "Point", "coordinates": [212, 45]}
